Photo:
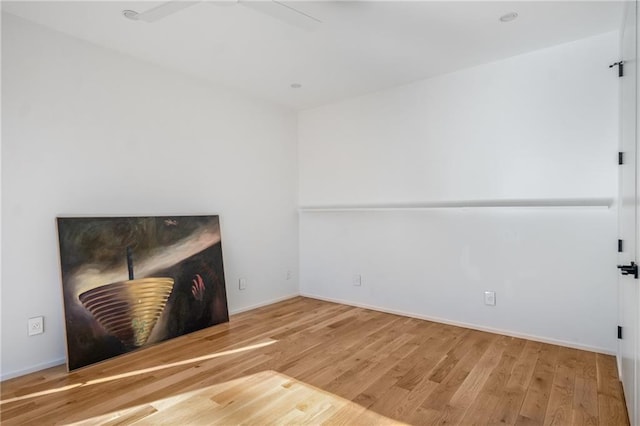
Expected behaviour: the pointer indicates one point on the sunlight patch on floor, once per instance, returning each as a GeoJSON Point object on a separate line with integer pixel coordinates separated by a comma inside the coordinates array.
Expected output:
{"type": "Point", "coordinates": [139, 372]}
{"type": "Point", "coordinates": [267, 397]}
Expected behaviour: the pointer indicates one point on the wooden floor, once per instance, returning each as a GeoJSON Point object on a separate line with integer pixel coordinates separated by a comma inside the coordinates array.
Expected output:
{"type": "Point", "coordinates": [305, 361]}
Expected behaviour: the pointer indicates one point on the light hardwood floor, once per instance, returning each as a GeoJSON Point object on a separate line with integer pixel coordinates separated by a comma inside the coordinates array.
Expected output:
{"type": "Point", "coordinates": [313, 362]}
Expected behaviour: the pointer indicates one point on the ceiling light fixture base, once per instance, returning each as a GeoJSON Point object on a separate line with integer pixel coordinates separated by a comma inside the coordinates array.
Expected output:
{"type": "Point", "coordinates": [130, 14]}
{"type": "Point", "coordinates": [508, 17]}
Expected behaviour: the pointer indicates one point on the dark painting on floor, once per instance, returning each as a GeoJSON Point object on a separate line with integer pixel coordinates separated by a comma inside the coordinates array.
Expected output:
{"type": "Point", "coordinates": [130, 282]}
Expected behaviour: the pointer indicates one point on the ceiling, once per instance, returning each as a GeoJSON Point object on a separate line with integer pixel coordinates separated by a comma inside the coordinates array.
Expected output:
{"type": "Point", "coordinates": [360, 46]}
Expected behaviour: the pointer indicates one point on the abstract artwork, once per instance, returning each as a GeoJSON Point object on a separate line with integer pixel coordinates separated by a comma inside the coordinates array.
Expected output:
{"type": "Point", "coordinates": [130, 282]}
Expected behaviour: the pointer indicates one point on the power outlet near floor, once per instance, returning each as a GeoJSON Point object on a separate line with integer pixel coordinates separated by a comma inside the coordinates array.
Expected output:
{"type": "Point", "coordinates": [242, 283]}
{"type": "Point", "coordinates": [490, 298]}
{"type": "Point", "coordinates": [36, 326]}
{"type": "Point", "coordinates": [357, 280]}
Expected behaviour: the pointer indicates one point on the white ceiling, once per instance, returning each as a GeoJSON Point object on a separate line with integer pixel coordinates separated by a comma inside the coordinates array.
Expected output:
{"type": "Point", "coordinates": [360, 47]}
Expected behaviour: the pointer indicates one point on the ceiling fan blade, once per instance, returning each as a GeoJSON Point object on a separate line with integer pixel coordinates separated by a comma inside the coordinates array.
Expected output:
{"type": "Point", "coordinates": [165, 9]}
{"type": "Point", "coordinates": [284, 12]}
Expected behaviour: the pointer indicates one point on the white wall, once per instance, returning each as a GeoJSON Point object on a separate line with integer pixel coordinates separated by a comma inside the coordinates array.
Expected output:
{"type": "Point", "coordinates": [89, 131]}
{"type": "Point", "coordinates": [86, 130]}
{"type": "Point", "coordinates": [540, 126]}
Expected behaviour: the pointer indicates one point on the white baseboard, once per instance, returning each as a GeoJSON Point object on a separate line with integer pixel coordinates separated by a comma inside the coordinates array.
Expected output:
{"type": "Point", "coordinates": [510, 333]}
{"type": "Point", "coordinates": [60, 361]}
{"type": "Point", "coordinates": [6, 376]}
{"type": "Point", "coordinates": [261, 304]}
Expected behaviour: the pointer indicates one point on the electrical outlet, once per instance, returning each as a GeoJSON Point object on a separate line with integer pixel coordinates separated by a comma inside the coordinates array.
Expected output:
{"type": "Point", "coordinates": [357, 280]}
{"type": "Point", "coordinates": [36, 326]}
{"type": "Point", "coordinates": [289, 274]}
{"type": "Point", "coordinates": [242, 283]}
{"type": "Point", "coordinates": [490, 298]}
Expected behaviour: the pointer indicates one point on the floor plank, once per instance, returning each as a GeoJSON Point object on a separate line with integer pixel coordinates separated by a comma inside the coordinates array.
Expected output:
{"type": "Point", "coordinates": [305, 361]}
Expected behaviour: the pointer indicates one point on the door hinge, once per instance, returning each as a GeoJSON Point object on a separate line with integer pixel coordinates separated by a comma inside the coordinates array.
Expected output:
{"type": "Point", "coordinates": [630, 269]}
{"type": "Point", "coordinates": [620, 66]}
{"type": "Point", "coordinates": [620, 158]}
{"type": "Point", "coordinates": [619, 332]}
{"type": "Point", "coordinates": [620, 248]}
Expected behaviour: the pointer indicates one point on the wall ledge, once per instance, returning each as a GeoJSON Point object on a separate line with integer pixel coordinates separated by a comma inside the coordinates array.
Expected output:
{"type": "Point", "coordinates": [602, 203]}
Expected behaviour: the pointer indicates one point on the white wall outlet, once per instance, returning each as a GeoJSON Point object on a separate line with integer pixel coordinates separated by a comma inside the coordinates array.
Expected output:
{"type": "Point", "coordinates": [357, 280]}
{"type": "Point", "coordinates": [289, 275]}
{"type": "Point", "coordinates": [242, 283]}
{"type": "Point", "coordinates": [490, 298]}
{"type": "Point", "coordinates": [36, 326]}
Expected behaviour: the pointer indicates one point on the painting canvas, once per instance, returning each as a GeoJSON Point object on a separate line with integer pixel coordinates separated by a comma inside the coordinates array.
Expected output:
{"type": "Point", "coordinates": [130, 282]}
